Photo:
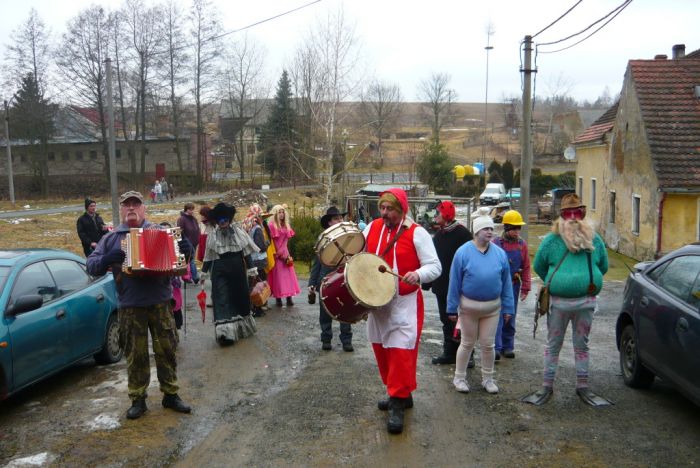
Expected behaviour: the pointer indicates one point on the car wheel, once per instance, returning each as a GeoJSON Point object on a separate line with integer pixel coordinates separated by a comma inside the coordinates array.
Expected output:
{"type": "Point", "coordinates": [111, 349]}
{"type": "Point", "coordinates": [634, 373]}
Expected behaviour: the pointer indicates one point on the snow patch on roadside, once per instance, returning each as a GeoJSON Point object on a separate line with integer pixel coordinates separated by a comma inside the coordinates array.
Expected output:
{"type": "Point", "coordinates": [40, 459]}
{"type": "Point", "coordinates": [103, 422]}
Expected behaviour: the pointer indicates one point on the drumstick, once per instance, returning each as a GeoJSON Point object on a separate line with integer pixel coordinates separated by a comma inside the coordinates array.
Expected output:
{"type": "Point", "coordinates": [383, 269]}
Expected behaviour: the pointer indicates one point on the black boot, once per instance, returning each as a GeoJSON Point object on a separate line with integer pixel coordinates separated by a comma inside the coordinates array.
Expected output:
{"type": "Point", "coordinates": [290, 303]}
{"type": "Point", "coordinates": [175, 403]}
{"type": "Point", "coordinates": [396, 409]}
{"type": "Point", "coordinates": [138, 408]}
{"type": "Point", "coordinates": [443, 359]}
{"type": "Point", "coordinates": [278, 302]}
{"type": "Point", "coordinates": [383, 405]}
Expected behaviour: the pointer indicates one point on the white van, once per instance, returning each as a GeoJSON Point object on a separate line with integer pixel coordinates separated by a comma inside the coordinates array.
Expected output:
{"type": "Point", "coordinates": [493, 194]}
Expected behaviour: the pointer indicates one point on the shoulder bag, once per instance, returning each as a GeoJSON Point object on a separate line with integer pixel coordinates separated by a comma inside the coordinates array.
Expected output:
{"type": "Point", "coordinates": [543, 296]}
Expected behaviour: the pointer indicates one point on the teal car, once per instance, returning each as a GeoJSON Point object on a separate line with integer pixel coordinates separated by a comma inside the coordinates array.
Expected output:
{"type": "Point", "coordinates": [52, 315]}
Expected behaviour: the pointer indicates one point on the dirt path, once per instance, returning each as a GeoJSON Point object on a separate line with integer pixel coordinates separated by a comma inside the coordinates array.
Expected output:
{"type": "Point", "coordinates": [277, 400]}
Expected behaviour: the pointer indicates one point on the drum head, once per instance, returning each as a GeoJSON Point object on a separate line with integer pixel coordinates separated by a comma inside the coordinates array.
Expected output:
{"type": "Point", "coordinates": [366, 283]}
{"type": "Point", "coordinates": [338, 242]}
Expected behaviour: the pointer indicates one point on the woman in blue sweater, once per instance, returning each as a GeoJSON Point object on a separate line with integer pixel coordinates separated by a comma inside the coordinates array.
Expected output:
{"type": "Point", "coordinates": [480, 289]}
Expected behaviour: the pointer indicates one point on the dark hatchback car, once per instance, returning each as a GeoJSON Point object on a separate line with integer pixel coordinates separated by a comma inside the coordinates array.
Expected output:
{"type": "Point", "coordinates": [658, 329]}
{"type": "Point", "coordinates": [52, 315]}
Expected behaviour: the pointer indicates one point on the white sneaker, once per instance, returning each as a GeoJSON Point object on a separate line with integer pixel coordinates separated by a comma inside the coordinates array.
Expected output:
{"type": "Point", "coordinates": [490, 386]}
{"type": "Point", "coordinates": [461, 385]}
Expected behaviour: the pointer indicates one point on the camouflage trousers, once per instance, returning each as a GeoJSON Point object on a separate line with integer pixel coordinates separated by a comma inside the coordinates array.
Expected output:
{"type": "Point", "coordinates": [134, 324]}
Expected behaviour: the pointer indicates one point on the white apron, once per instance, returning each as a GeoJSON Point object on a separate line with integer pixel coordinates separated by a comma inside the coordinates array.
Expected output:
{"type": "Point", "coordinates": [396, 324]}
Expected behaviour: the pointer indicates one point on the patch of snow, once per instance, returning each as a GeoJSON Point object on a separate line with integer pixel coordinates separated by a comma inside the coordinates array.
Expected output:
{"type": "Point", "coordinates": [103, 422]}
{"type": "Point", "coordinates": [18, 220]}
{"type": "Point", "coordinates": [26, 207]}
{"type": "Point", "coordinates": [39, 459]}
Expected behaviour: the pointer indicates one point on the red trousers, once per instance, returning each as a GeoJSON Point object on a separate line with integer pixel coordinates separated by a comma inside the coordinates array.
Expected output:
{"type": "Point", "coordinates": [397, 366]}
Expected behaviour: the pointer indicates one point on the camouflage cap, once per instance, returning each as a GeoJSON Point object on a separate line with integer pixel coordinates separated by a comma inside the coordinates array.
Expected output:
{"type": "Point", "coordinates": [130, 194]}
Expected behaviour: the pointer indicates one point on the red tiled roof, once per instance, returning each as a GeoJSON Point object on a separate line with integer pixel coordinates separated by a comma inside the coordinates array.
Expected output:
{"type": "Point", "coordinates": [598, 128]}
{"type": "Point", "coordinates": [671, 116]}
{"type": "Point", "coordinates": [94, 116]}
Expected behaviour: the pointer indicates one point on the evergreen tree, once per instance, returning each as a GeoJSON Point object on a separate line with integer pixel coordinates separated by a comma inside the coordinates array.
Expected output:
{"type": "Point", "coordinates": [435, 167]}
{"type": "Point", "coordinates": [507, 174]}
{"type": "Point", "coordinates": [279, 137]}
{"type": "Point", "coordinates": [494, 171]}
{"type": "Point", "coordinates": [31, 119]}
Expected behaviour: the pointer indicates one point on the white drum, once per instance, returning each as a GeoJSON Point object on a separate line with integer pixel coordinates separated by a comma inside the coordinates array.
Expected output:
{"type": "Point", "coordinates": [339, 242]}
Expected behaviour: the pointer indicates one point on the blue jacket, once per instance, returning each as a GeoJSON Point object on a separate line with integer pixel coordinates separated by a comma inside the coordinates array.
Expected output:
{"type": "Point", "coordinates": [132, 291]}
{"type": "Point", "coordinates": [480, 277]}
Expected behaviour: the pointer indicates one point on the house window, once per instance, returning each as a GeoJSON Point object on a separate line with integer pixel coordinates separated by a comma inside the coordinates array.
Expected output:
{"type": "Point", "coordinates": [146, 151]}
{"type": "Point", "coordinates": [23, 158]}
{"type": "Point", "coordinates": [251, 148]}
{"type": "Point", "coordinates": [93, 155]}
{"type": "Point", "coordinates": [78, 155]}
{"type": "Point", "coordinates": [593, 193]}
{"type": "Point", "coordinates": [65, 156]}
{"type": "Point", "coordinates": [118, 153]}
{"type": "Point", "coordinates": [636, 199]}
{"type": "Point", "coordinates": [611, 216]}
{"type": "Point", "coordinates": [580, 187]}
{"type": "Point", "coordinates": [51, 156]}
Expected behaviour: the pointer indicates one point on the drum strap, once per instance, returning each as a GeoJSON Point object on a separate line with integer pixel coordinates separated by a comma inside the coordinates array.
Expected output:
{"type": "Point", "coordinates": [393, 241]}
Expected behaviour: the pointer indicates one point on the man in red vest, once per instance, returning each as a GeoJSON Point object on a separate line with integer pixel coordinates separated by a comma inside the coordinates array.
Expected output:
{"type": "Point", "coordinates": [395, 329]}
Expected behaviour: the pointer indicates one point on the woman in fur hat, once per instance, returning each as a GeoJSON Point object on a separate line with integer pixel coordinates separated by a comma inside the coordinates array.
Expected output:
{"type": "Point", "coordinates": [228, 245]}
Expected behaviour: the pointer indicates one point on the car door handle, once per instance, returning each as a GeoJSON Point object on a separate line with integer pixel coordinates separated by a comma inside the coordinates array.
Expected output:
{"type": "Point", "coordinates": [644, 302]}
{"type": "Point", "coordinates": [100, 297]}
{"type": "Point", "coordinates": [61, 314]}
{"type": "Point", "coordinates": [683, 325]}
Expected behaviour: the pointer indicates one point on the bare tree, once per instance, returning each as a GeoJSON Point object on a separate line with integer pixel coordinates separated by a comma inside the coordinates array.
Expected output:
{"type": "Point", "coordinates": [145, 37]}
{"type": "Point", "coordinates": [27, 64]}
{"type": "Point", "coordinates": [80, 57]}
{"type": "Point", "coordinates": [438, 98]}
{"type": "Point", "coordinates": [29, 52]}
{"type": "Point", "coordinates": [381, 107]}
{"type": "Point", "coordinates": [557, 102]}
{"type": "Point", "coordinates": [244, 89]}
{"type": "Point", "coordinates": [205, 31]}
{"type": "Point", "coordinates": [172, 66]}
{"type": "Point", "coordinates": [334, 47]}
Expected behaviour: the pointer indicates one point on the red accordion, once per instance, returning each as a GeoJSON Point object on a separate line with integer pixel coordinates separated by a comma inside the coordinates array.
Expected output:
{"type": "Point", "coordinates": [153, 251]}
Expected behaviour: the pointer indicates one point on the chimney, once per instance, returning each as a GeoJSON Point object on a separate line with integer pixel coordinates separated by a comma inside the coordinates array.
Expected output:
{"type": "Point", "coordinates": [660, 57]}
{"type": "Point", "coordinates": [678, 51]}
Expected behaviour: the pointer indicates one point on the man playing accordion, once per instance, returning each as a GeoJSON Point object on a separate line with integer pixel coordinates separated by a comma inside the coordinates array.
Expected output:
{"type": "Point", "coordinates": [144, 303]}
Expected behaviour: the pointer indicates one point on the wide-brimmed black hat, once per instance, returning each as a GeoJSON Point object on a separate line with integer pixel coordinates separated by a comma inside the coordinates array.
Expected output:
{"type": "Point", "coordinates": [330, 212]}
{"type": "Point", "coordinates": [221, 211]}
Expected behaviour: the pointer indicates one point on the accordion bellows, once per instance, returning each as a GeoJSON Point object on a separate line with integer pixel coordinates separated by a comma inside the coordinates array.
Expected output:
{"type": "Point", "coordinates": [153, 251]}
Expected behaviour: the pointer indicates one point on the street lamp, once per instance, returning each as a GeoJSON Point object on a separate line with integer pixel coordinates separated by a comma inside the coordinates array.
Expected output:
{"type": "Point", "coordinates": [8, 146]}
{"type": "Point", "coordinates": [488, 48]}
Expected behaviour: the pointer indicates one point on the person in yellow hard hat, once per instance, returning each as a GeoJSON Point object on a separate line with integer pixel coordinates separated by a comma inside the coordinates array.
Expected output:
{"type": "Point", "coordinates": [519, 261]}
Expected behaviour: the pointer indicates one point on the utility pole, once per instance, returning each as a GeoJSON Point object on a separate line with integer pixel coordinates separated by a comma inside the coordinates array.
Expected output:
{"type": "Point", "coordinates": [111, 146]}
{"type": "Point", "coordinates": [9, 156]}
{"type": "Point", "coordinates": [488, 48]}
{"type": "Point", "coordinates": [526, 155]}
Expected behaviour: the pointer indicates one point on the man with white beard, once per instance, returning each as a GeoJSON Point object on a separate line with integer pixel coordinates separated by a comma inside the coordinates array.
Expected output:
{"type": "Point", "coordinates": [573, 259]}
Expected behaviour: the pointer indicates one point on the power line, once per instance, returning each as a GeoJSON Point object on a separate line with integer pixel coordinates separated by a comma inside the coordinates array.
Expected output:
{"type": "Point", "coordinates": [219, 36]}
{"type": "Point", "coordinates": [556, 20]}
{"type": "Point", "coordinates": [591, 34]}
{"type": "Point", "coordinates": [615, 11]}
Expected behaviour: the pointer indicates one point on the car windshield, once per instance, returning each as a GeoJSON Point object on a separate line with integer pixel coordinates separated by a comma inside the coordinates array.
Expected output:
{"type": "Point", "coordinates": [491, 190]}
{"type": "Point", "coordinates": [4, 273]}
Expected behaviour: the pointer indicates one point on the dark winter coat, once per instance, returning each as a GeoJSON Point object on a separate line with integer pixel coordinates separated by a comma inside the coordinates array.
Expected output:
{"type": "Point", "coordinates": [190, 228]}
{"type": "Point", "coordinates": [90, 229]}
{"type": "Point", "coordinates": [447, 241]}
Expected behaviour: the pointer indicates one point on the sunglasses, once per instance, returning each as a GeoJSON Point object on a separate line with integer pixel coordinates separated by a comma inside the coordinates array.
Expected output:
{"type": "Point", "coordinates": [573, 213]}
{"type": "Point", "coordinates": [223, 220]}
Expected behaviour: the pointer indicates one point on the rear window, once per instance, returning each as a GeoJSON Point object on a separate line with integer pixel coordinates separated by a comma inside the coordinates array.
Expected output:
{"type": "Point", "coordinates": [4, 273]}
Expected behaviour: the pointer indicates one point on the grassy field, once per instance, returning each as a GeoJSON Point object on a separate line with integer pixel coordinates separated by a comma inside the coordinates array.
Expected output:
{"type": "Point", "coordinates": [58, 231]}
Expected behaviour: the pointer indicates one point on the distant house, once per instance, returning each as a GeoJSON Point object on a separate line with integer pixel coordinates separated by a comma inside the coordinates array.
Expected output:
{"type": "Point", "coordinates": [77, 148]}
{"type": "Point", "coordinates": [639, 164]}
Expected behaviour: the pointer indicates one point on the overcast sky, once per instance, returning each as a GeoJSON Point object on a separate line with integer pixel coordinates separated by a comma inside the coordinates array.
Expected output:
{"type": "Point", "coordinates": [403, 41]}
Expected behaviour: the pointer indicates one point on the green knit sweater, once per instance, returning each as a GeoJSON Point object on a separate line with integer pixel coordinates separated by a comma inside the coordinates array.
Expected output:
{"type": "Point", "coordinates": [572, 278]}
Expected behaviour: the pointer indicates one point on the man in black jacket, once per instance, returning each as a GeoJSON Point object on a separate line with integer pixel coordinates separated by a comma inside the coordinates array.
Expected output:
{"type": "Point", "coordinates": [319, 271]}
{"type": "Point", "coordinates": [449, 237]}
{"type": "Point", "coordinates": [90, 227]}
